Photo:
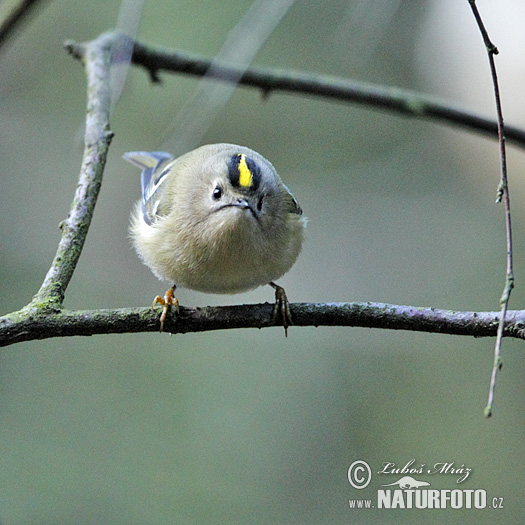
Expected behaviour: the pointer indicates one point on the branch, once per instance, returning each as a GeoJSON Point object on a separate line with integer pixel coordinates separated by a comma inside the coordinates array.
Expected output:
{"type": "Point", "coordinates": [503, 194]}
{"type": "Point", "coordinates": [393, 99]}
{"type": "Point", "coordinates": [96, 57]}
{"type": "Point", "coordinates": [20, 326]}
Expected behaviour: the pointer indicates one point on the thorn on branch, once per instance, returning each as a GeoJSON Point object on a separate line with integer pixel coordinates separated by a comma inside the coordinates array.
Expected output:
{"type": "Point", "coordinates": [154, 76]}
{"type": "Point", "coordinates": [265, 93]}
{"type": "Point", "coordinates": [75, 50]}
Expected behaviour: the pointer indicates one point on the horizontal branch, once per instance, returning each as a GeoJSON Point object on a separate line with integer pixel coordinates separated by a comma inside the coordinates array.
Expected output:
{"type": "Point", "coordinates": [393, 99]}
{"type": "Point", "coordinates": [30, 324]}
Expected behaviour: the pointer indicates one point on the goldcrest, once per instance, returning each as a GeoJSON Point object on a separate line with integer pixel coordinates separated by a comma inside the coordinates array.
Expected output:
{"type": "Point", "coordinates": [218, 219]}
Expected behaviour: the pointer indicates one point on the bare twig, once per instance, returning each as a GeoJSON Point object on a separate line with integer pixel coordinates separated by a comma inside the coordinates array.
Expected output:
{"type": "Point", "coordinates": [503, 194]}
{"type": "Point", "coordinates": [20, 326]}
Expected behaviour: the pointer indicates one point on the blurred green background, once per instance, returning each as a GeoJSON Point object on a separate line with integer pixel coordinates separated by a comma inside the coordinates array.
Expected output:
{"type": "Point", "coordinates": [246, 426]}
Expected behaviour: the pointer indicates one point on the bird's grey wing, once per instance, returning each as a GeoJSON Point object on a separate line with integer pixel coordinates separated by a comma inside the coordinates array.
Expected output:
{"type": "Point", "coordinates": [291, 202]}
{"type": "Point", "coordinates": [155, 166]}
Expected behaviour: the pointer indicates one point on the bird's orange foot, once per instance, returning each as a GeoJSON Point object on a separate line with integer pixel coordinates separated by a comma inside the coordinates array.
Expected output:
{"type": "Point", "coordinates": [168, 300]}
{"type": "Point", "coordinates": [281, 309]}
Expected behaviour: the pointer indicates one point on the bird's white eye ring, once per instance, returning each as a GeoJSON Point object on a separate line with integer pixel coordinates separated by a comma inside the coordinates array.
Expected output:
{"type": "Point", "coordinates": [217, 193]}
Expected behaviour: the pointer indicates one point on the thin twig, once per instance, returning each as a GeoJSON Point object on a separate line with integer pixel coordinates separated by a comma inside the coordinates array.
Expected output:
{"type": "Point", "coordinates": [19, 326]}
{"type": "Point", "coordinates": [503, 194]}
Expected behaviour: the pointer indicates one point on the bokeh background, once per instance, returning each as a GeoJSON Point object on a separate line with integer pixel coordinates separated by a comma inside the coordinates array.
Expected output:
{"type": "Point", "coordinates": [246, 426]}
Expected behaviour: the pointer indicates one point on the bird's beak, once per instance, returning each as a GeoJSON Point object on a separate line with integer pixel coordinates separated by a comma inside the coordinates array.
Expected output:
{"type": "Point", "coordinates": [242, 203]}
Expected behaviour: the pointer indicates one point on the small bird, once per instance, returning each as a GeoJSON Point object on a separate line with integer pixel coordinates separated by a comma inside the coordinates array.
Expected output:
{"type": "Point", "coordinates": [218, 219]}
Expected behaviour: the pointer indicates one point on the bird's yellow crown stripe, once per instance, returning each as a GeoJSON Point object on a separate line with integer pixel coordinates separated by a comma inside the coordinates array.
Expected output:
{"type": "Point", "coordinates": [245, 175]}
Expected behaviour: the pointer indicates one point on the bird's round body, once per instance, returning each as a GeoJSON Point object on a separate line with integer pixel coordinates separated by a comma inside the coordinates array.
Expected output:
{"type": "Point", "coordinates": [217, 219]}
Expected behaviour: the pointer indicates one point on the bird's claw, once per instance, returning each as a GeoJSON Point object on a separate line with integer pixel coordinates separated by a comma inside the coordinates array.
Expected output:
{"type": "Point", "coordinates": [281, 309]}
{"type": "Point", "coordinates": [168, 300]}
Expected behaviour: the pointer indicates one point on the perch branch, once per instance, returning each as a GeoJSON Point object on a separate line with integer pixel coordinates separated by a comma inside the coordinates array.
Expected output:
{"type": "Point", "coordinates": [15, 328]}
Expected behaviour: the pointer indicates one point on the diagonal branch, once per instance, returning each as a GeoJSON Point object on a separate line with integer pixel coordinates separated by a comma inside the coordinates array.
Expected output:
{"type": "Point", "coordinates": [392, 99]}
{"type": "Point", "coordinates": [96, 57]}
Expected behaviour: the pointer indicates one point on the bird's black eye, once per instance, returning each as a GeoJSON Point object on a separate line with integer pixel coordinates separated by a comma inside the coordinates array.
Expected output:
{"type": "Point", "coordinates": [260, 203]}
{"type": "Point", "coordinates": [217, 193]}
